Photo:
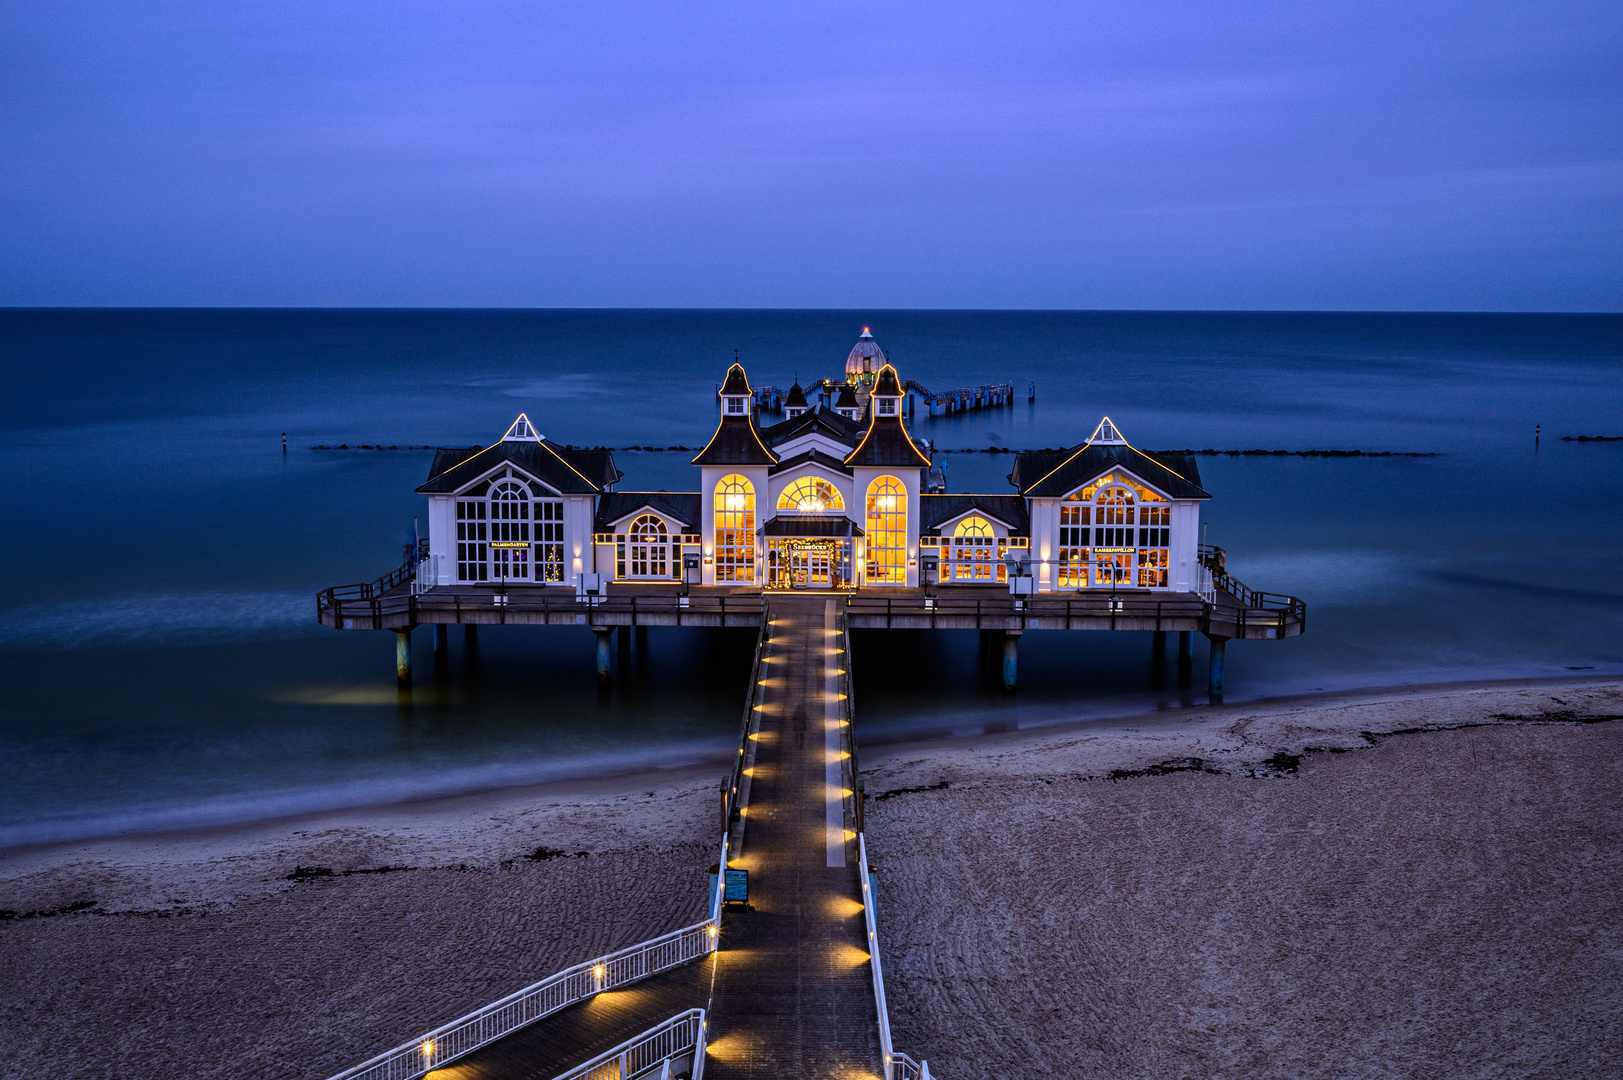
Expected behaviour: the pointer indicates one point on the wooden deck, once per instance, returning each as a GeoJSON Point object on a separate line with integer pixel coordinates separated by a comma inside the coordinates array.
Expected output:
{"type": "Point", "coordinates": [951, 607]}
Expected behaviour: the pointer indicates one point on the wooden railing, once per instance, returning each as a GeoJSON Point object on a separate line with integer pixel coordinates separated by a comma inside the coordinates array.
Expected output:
{"type": "Point", "coordinates": [1213, 558]}
{"type": "Point", "coordinates": [368, 602]}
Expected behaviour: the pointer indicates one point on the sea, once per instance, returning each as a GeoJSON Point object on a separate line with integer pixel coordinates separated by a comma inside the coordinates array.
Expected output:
{"type": "Point", "coordinates": [162, 666]}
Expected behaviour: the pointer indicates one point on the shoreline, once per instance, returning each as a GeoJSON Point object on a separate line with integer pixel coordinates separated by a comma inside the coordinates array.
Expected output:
{"type": "Point", "coordinates": [611, 783]}
{"type": "Point", "coordinates": [1067, 846]}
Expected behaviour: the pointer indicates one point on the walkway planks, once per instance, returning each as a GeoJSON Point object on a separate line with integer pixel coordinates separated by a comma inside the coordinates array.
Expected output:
{"type": "Point", "coordinates": [579, 1033]}
{"type": "Point", "coordinates": [794, 992]}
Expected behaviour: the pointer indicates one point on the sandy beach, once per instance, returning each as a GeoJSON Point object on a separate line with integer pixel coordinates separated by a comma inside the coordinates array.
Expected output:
{"type": "Point", "coordinates": [1415, 882]}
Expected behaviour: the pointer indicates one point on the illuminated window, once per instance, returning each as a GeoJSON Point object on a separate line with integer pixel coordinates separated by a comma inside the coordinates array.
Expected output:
{"type": "Point", "coordinates": [976, 552]}
{"type": "Point", "coordinates": [811, 495]}
{"type": "Point", "coordinates": [650, 548]}
{"type": "Point", "coordinates": [1073, 545]}
{"type": "Point", "coordinates": [549, 539]}
{"type": "Point", "coordinates": [887, 531]}
{"type": "Point", "coordinates": [735, 529]}
{"type": "Point", "coordinates": [887, 407]}
{"type": "Point", "coordinates": [735, 406]}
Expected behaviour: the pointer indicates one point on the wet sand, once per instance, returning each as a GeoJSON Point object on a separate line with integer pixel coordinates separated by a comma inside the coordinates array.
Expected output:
{"type": "Point", "coordinates": [1438, 904]}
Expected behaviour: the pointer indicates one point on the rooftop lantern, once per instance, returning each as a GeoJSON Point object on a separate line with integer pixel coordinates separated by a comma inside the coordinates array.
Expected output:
{"type": "Point", "coordinates": [521, 431]}
{"type": "Point", "coordinates": [1106, 434]}
{"type": "Point", "coordinates": [735, 393]}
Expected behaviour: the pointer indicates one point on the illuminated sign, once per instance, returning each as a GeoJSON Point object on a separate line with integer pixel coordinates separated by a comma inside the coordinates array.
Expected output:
{"type": "Point", "coordinates": [509, 544]}
{"type": "Point", "coordinates": [1114, 551]}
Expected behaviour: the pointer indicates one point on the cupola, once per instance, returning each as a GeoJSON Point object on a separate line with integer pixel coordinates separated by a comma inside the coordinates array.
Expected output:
{"type": "Point", "coordinates": [735, 393]}
{"type": "Point", "coordinates": [847, 404]}
{"type": "Point", "coordinates": [887, 393]}
{"type": "Point", "coordinates": [796, 402]}
{"type": "Point", "coordinates": [866, 358]}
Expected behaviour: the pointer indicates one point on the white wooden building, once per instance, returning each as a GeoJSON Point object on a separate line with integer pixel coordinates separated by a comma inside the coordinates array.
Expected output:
{"type": "Point", "coordinates": [827, 498]}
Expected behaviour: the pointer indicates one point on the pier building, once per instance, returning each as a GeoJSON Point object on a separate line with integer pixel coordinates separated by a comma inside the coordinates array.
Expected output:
{"type": "Point", "coordinates": [836, 495]}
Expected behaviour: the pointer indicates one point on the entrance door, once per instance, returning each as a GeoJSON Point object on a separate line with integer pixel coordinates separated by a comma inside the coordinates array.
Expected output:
{"type": "Point", "coordinates": [810, 568]}
{"type": "Point", "coordinates": [510, 563]}
{"type": "Point", "coordinates": [817, 570]}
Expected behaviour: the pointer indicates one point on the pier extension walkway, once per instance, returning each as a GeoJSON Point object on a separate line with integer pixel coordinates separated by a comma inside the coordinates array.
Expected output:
{"type": "Point", "coordinates": [794, 991]}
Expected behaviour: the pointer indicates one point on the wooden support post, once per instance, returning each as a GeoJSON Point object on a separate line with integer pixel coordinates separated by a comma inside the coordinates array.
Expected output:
{"type": "Point", "coordinates": [625, 648]}
{"type": "Point", "coordinates": [602, 633]}
{"type": "Point", "coordinates": [470, 636]}
{"type": "Point", "coordinates": [1214, 686]}
{"type": "Point", "coordinates": [1011, 657]}
{"type": "Point", "coordinates": [1158, 647]}
{"type": "Point", "coordinates": [442, 641]}
{"type": "Point", "coordinates": [642, 639]}
{"type": "Point", "coordinates": [402, 658]}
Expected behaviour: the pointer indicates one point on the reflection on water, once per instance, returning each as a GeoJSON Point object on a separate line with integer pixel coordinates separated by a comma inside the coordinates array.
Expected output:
{"type": "Point", "coordinates": [163, 665]}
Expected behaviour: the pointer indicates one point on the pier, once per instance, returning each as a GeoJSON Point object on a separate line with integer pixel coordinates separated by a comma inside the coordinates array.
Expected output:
{"type": "Point", "coordinates": [782, 979]}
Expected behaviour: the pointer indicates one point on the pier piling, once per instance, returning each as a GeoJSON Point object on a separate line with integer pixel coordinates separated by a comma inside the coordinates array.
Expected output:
{"type": "Point", "coordinates": [1011, 657]}
{"type": "Point", "coordinates": [442, 641]}
{"type": "Point", "coordinates": [402, 657]}
{"type": "Point", "coordinates": [1214, 685]}
{"type": "Point", "coordinates": [602, 633]}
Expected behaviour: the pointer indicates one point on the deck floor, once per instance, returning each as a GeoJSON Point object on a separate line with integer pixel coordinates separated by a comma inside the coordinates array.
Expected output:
{"type": "Point", "coordinates": [575, 1035]}
{"type": "Point", "coordinates": [794, 992]}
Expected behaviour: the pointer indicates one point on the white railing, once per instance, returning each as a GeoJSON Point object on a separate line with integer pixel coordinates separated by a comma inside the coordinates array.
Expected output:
{"type": "Point", "coordinates": [898, 1066]}
{"type": "Point", "coordinates": [427, 575]}
{"type": "Point", "coordinates": [661, 1048]}
{"type": "Point", "coordinates": [501, 1018]}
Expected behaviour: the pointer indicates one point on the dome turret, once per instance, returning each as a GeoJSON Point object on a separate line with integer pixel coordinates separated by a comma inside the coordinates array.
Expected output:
{"type": "Point", "coordinates": [865, 359]}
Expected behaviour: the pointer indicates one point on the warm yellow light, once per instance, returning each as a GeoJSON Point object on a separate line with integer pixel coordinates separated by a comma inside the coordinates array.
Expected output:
{"type": "Point", "coordinates": [599, 971]}
{"type": "Point", "coordinates": [428, 1049]}
{"type": "Point", "coordinates": [714, 931]}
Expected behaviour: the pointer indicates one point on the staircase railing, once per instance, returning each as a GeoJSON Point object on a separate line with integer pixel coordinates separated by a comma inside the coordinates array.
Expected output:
{"type": "Point", "coordinates": [662, 1047]}
{"type": "Point", "coordinates": [1213, 558]}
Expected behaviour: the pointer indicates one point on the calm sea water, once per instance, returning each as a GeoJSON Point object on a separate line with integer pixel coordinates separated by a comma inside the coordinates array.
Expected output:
{"type": "Point", "coordinates": [162, 665]}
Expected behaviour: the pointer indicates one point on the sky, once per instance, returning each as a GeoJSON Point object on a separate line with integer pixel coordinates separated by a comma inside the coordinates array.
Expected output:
{"type": "Point", "coordinates": [1120, 154]}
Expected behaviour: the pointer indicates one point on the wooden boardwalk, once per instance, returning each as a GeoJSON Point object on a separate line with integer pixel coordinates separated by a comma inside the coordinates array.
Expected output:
{"type": "Point", "coordinates": [575, 1035]}
{"type": "Point", "coordinates": [794, 993]}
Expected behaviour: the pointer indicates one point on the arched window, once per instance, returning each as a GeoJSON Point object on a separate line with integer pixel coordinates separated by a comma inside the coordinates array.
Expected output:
{"type": "Point", "coordinates": [510, 531]}
{"type": "Point", "coordinates": [811, 495]}
{"type": "Point", "coordinates": [650, 548]}
{"type": "Point", "coordinates": [735, 529]}
{"type": "Point", "coordinates": [887, 531]}
{"type": "Point", "coordinates": [1113, 513]}
{"type": "Point", "coordinates": [974, 551]}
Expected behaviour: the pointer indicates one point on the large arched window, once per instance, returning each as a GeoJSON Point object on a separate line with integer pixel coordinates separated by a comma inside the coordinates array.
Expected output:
{"type": "Point", "coordinates": [974, 547]}
{"type": "Point", "coordinates": [735, 529]}
{"type": "Point", "coordinates": [510, 531]}
{"type": "Point", "coordinates": [650, 548]}
{"type": "Point", "coordinates": [887, 531]}
{"type": "Point", "coordinates": [811, 495]}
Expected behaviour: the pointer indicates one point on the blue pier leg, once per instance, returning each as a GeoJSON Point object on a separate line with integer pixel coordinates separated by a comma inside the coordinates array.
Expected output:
{"type": "Point", "coordinates": [402, 658]}
{"type": "Point", "coordinates": [1011, 658]}
{"type": "Point", "coordinates": [602, 654]}
{"type": "Point", "coordinates": [1214, 686]}
{"type": "Point", "coordinates": [442, 640]}
{"type": "Point", "coordinates": [1186, 656]}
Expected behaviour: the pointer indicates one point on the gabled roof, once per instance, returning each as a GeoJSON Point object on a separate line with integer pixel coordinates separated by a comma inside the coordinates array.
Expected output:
{"type": "Point", "coordinates": [821, 420]}
{"type": "Point", "coordinates": [811, 457]}
{"type": "Point", "coordinates": [1011, 510]}
{"type": "Point", "coordinates": [682, 506]}
{"type": "Point", "coordinates": [1055, 474]}
{"type": "Point", "coordinates": [567, 471]}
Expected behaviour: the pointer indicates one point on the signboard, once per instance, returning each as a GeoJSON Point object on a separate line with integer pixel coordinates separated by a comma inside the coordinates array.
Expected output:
{"type": "Point", "coordinates": [735, 887]}
{"type": "Point", "coordinates": [509, 543]}
{"type": "Point", "coordinates": [1115, 551]}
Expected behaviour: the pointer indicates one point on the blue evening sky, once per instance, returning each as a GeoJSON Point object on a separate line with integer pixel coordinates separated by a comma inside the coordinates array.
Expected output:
{"type": "Point", "coordinates": [1371, 154]}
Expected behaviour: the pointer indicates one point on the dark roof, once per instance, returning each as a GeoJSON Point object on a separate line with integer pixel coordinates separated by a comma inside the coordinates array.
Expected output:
{"type": "Point", "coordinates": [736, 383]}
{"type": "Point", "coordinates": [684, 506]}
{"type": "Point", "coordinates": [815, 457]}
{"type": "Point", "coordinates": [811, 525]}
{"type": "Point", "coordinates": [570, 472]}
{"type": "Point", "coordinates": [887, 384]}
{"type": "Point", "coordinates": [737, 440]}
{"type": "Point", "coordinates": [847, 398]}
{"type": "Point", "coordinates": [887, 443]}
{"type": "Point", "coordinates": [1009, 509]}
{"type": "Point", "coordinates": [822, 419]}
{"type": "Point", "coordinates": [1053, 474]}
{"type": "Point", "coordinates": [796, 398]}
